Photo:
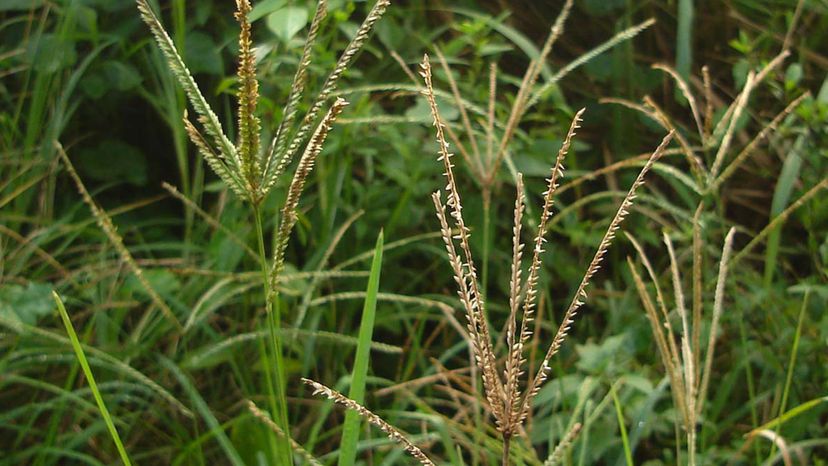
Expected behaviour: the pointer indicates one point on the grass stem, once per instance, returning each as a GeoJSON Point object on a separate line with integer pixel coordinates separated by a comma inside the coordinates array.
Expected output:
{"type": "Point", "coordinates": [273, 323]}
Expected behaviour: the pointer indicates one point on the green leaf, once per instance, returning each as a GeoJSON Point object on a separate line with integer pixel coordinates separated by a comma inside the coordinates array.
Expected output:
{"type": "Point", "coordinates": [286, 22]}
{"type": "Point", "coordinates": [604, 357]}
{"type": "Point", "coordinates": [50, 53]}
{"type": "Point", "coordinates": [87, 371]}
{"type": "Point", "coordinates": [121, 76]}
{"type": "Point", "coordinates": [350, 430]}
{"type": "Point", "coordinates": [113, 160]}
{"type": "Point", "coordinates": [262, 9]}
{"type": "Point", "coordinates": [202, 54]}
{"type": "Point", "coordinates": [26, 303]}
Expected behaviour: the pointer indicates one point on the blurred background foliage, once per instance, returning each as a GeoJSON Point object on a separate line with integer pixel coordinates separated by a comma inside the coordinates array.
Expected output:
{"type": "Point", "coordinates": [85, 72]}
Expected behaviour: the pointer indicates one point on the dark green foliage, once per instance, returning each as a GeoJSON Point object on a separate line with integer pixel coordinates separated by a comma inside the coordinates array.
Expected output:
{"type": "Point", "coordinates": [88, 74]}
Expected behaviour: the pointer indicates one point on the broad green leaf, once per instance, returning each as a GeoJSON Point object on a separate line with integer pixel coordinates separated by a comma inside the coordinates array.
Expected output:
{"type": "Point", "coordinates": [286, 22]}
{"type": "Point", "coordinates": [262, 9]}
{"type": "Point", "coordinates": [50, 53]}
{"type": "Point", "coordinates": [26, 303]}
{"type": "Point", "coordinates": [113, 160]}
{"type": "Point", "coordinates": [202, 54]}
{"type": "Point", "coordinates": [121, 76]}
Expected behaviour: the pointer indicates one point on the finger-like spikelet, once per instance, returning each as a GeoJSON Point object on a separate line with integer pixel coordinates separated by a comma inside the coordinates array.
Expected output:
{"type": "Point", "coordinates": [247, 145]}
{"type": "Point", "coordinates": [580, 294]}
{"type": "Point", "coordinates": [306, 164]}
{"type": "Point", "coordinates": [467, 275]}
{"type": "Point", "coordinates": [390, 431]}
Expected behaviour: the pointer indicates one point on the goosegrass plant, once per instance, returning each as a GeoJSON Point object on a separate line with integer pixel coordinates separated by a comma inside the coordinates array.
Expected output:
{"type": "Point", "coordinates": [713, 158]}
{"type": "Point", "coordinates": [485, 146]}
{"type": "Point", "coordinates": [250, 171]}
{"type": "Point", "coordinates": [509, 398]}
{"type": "Point", "coordinates": [689, 376]}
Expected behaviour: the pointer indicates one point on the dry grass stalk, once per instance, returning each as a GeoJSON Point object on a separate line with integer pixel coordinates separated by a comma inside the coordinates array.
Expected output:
{"type": "Point", "coordinates": [266, 420]}
{"type": "Point", "coordinates": [508, 405]}
{"type": "Point", "coordinates": [689, 381]}
{"type": "Point", "coordinates": [719, 138]}
{"type": "Point", "coordinates": [558, 453]}
{"type": "Point", "coordinates": [111, 232]}
{"type": "Point", "coordinates": [390, 431]}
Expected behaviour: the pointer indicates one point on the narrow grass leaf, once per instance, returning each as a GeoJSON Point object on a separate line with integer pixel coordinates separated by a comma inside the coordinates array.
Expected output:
{"type": "Point", "coordinates": [350, 432]}
{"type": "Point", "coordinates": [76, 346]}
{"type": "Point", "coordinates": [620, 414]}
{"type": "Point", "coordinates": [208, 416]}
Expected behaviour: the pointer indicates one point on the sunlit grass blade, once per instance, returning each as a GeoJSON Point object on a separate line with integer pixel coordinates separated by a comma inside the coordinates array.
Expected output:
{"type": "Point", "coordinates": [76, 346]}
{"type": "Point", "coordinates": [350, 432]}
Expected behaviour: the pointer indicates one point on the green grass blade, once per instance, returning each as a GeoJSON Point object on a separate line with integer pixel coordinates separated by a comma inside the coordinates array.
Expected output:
{"type": "Point", "coordinates": [792, 413]}
{"type": "Point", "coordinates": [91, 379]}
{"type": "Point", "coordinates": [684, 38]}
{"type": "Point", "coordinates": [624, 439]}
{"type": "Point", "coordinates": [350, 432]}
{"type": "Point", "coordinates": [209, 418]}
{"type": "Point", "coordinates": [784, 188]}
{"type": "Point", "coordinates": [791, 364]}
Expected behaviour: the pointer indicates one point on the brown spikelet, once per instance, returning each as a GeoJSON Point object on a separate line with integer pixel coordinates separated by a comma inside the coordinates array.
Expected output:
{"type": "Point", "coordinates": [516, 351]}
{"type": "Point", "coordinates": [557, 455]}
{"type": "Point", "coordinates": [513, 361]}
{"type": "Point", "coordinates": [388, 429]}
{"type": "Point", "coordinates": [297, 185]}
{"type": "Point", "coordinates": [466, 276]}
{"type": "Point", "coordinates": [265, 419]}
{"type": "Point", "coordinates": [247, 145]}
{"type": "Point", "coordinates": [580, 294]}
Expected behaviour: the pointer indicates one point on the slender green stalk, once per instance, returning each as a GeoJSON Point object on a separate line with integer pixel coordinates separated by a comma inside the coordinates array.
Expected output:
{"type": "Point", "coordinates": [754, 415]}
{"type": "Point", "coordinates": [684, 38]}
{"type": "Point", "coordinates": [624, 439]}
{"type": "Point", "coordinates": [273, 323]}
{"type": "Point", "coordinates": [487, 238]}
{"type": "Point", "coordinates": [791, 364]}
{"type": "Point", "coordinates": [350, 430]}
{"type": "Point", "coordinates": [217, 430]}
{"type": "Point", "coordinates": [91, 379]}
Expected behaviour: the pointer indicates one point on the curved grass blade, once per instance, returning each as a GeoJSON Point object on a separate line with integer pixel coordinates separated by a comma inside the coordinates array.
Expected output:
{"type": "Point", "coordinates": [202, 408]}
{"type": "Point", "coordinates": [76, 346]}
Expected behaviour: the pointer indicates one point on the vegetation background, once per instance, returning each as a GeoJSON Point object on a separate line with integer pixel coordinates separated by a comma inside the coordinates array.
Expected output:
{"type": "Point", "coordinates": [86, 73]}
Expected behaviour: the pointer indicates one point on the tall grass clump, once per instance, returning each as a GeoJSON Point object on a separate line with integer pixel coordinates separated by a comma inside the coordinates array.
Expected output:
{"type": "Point", "coordinates": [689, 376]}
{"type": "Point", "coordinates": [483, 148]}
{"type": "Point", "coordinates": [509, 397]}
{"type": "Point", "coordinates": [250, 169]}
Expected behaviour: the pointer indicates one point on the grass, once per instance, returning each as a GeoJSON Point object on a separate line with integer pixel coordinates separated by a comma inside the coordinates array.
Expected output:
{"type": "Point", "coordinates": [202, 303]}
{"type": "Point", "coordinates": [87, 372]}
{"type": "Point", "coordinates": [350, 431]}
